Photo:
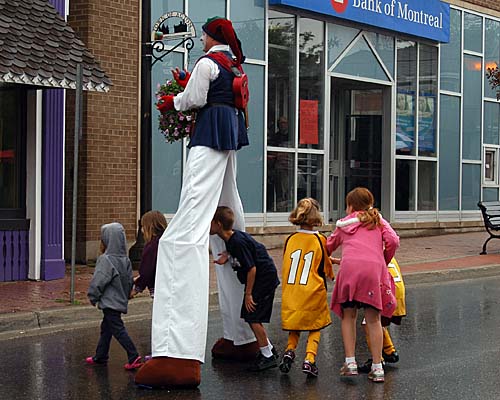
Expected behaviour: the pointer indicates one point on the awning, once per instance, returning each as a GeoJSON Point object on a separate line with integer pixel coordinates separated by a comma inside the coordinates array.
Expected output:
{"type": "Point", "coordinates": [38, 47]}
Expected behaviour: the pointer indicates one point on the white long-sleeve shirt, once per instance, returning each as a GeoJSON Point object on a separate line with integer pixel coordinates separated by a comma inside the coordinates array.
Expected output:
{"type": "Point", "coordinates": [196, 91]}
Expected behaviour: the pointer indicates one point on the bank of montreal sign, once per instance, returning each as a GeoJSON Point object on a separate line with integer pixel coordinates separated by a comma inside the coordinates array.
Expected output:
{"type": "Point", "coordinates": [423, 18]}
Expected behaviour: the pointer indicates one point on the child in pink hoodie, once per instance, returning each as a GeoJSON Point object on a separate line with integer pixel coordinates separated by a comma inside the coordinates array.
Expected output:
{"type": "Point", "coordinates": [363, 281]}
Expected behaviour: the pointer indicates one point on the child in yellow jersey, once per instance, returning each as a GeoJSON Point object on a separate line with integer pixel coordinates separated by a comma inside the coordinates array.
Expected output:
{"type": "Point", "coordinates": [306, 265]}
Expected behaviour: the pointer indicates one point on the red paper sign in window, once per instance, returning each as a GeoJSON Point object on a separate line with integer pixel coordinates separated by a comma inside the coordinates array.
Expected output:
{"type": "Point", "coordinates": [308, 133]}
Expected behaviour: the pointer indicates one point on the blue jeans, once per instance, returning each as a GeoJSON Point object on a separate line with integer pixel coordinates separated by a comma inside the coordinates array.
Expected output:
{"type": "Point", "coordinates": [112, 325]}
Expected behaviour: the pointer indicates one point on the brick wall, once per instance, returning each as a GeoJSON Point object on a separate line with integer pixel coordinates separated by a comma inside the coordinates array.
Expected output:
{"type": "Point", "coordinates": [108, 160]}
{"type": "Point", "coordinates": [490, 7]}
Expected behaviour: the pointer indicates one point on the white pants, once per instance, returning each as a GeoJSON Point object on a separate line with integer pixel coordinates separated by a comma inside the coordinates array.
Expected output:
{"type": "Point", "coordinates": [180, 306]}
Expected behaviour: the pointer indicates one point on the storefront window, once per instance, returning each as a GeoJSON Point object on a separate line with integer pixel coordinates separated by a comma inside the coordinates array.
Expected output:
{"type": "Point", "coordinates": [339, 37]}
{"type": "Point", "coordinates": [311, 84]}
{"type": "Point", "coordinates": [405, 185]}
{"type": "Point", "coordinates": [248, 22]}
{"type": "Point", "coordinates": [471, 186]}
{"type": "Point", "coordinates": [490, 194]}
{"type": "Point", "coordinates": [427, 100]}
{"type": "Point", "coordinates": [280, 181]}
{"type": "Point", "coordinates": [384, 45]}
{"type": "Point", "coordinates": [199, 11]}
{"type": "Point", "coordinates": [451, 54]}
{"type": "Point", "coordinates": [406, 97]}
{"type": "Point", "coordinates": [491, 52]}
{"type": "Point", "coordinates": [426, 186]}
{"type": "Point", "coordinates": [160, 7]}
{"type": "Point", "coordinates": [360, 61]}
{"type": "Point", "coordinates": [281, 80]}
{"type": "Point", "coordinates": [310, 177]}
{"type": "Point", "coordinates": [473, 33]}
{"type": "Point", "coordinates": [12, 153]}
{"type": "Point", "coordinates": [472, 108]}
{"type": "Point", "coordinates": [491, 122]}
{"type": "Point", "coordinates": [449, 159]}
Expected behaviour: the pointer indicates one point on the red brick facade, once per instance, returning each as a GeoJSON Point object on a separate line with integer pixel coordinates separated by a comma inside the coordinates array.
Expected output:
{"type": "Point", "coordinates": [108, 160]}
{"type": "Point", "coordinates": [486, 4]}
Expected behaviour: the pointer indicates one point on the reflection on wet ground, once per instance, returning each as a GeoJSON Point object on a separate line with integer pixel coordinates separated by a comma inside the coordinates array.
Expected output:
{"type": "Point", "coordinates": [449, 348]}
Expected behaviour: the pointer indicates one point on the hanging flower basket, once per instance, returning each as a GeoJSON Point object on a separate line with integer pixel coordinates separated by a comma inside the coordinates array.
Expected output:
{"type": "Point", "coordinates": [174, 125]}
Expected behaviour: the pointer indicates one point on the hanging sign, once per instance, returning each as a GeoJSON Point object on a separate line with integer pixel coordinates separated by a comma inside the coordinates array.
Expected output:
{"type": "Point", "coordinates": [172, 26]}
{"type": "Point", "coordinates": [423, 18]}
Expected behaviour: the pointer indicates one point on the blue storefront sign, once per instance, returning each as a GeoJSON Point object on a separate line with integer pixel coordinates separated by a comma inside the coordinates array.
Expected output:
{"type": "Point", "coordinates": [423, 18]}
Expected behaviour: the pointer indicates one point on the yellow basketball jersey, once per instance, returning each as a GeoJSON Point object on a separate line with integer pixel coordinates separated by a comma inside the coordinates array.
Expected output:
{"type": "Point", "coordinates": [306, 265]}
{"type": "Point", "coordinates": [400, 288]}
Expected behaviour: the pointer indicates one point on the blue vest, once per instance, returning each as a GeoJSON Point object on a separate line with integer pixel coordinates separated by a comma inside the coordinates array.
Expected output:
{"type": "Point", "coordinates": [219, 124]}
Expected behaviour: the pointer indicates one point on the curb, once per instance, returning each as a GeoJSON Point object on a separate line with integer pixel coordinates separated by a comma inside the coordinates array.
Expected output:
{"type": "Point", "coordinates": [33, 323]}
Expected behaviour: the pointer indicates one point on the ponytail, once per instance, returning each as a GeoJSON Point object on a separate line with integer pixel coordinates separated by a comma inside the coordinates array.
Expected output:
{"type": "Point", "coordinates": [370, 218]}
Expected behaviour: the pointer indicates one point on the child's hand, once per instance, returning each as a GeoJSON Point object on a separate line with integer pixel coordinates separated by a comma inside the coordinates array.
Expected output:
{"type": "Point", "coordinates": [335, 260]}
{"type": "Point", "coordinates": [249, 303]}
{"type": "Point", "coordinates": [136, 277]}
{"type": "Point", "coordinates": [224, 256]}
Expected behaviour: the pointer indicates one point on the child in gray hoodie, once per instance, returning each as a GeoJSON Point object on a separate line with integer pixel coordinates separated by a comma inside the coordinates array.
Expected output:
{"type": "Point", "coordinates": [109, 290]}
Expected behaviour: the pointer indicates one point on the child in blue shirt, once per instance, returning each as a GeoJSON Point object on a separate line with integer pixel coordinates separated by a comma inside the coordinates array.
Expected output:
{"type": "Point", "coordinates": [256, 270]}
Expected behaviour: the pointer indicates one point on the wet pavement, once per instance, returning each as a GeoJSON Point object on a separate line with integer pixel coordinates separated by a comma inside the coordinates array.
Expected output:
{"type": "Point", "coordinates": [449, 347]}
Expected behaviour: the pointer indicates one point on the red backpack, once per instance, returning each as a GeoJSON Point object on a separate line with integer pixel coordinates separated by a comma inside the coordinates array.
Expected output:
{"type": "Point", "coordinates": [241, 93]}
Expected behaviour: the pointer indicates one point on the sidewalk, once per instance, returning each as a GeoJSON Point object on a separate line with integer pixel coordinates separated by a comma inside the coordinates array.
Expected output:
{"type": "Point", "coordinates": [421, 259]}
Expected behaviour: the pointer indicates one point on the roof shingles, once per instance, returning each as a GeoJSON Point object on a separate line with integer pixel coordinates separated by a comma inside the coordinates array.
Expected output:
{"type": "Point", "coordinates": [51, 61]}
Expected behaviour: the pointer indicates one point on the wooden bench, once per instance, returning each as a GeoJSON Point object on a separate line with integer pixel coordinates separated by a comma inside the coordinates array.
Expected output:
{"type": "Point", "coordinates": [491, 217]}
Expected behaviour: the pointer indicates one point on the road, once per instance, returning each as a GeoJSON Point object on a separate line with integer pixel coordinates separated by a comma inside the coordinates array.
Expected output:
{"type": "Point", "coordinates": [449, 347]}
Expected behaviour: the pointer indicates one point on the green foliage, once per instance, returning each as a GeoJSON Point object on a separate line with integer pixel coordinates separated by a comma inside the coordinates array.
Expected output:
{"type": "Point", "coordinates": [493, 76]}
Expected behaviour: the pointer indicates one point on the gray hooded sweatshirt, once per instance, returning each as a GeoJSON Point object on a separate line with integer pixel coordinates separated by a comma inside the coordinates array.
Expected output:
{"type": "Point", "coordinates": [112, 281]}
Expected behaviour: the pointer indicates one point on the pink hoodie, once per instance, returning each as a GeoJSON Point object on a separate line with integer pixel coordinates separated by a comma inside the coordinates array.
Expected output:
{"type": "Point", "coordinates": [363, 274]}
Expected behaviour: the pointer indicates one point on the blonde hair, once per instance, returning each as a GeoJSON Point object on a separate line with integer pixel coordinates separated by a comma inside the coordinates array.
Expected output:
{"type": "Point", "coordinates": [307, 212]}
{"type": "Point", "coordinates": [362, 200]}
{"type": "Point", "coordinates": [225, 216]}
{"type": "Point", "coordinates": [154, 224]}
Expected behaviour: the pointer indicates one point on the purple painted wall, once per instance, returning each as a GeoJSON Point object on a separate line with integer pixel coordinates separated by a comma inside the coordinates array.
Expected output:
{"type": "Point", "coordinates": [14, 256]}
{"type": "Point", "coordinates": [52, 262]}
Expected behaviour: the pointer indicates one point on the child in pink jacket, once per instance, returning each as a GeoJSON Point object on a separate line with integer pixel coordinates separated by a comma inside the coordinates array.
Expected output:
{"type": "Point", "coordinates": [363, 281]}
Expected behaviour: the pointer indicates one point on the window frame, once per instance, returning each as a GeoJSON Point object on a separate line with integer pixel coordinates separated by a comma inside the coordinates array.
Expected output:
{"type": "Point", "coordinates": [494, 181]}
{"type": "Point", "coordinates": [19, 212]}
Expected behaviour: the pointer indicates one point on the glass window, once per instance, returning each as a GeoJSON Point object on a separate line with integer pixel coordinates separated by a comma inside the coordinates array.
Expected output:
{"type": "Point", "coordinates": [471, 186]}
{"type": "Point", "coordinates": [473, 32]}
{"type": "Point", "coordinates": [491, 122]}
{"type": "Point", "coordinates": [160, 7]}
{"type": "Point", "coordinates": [166, 157]}
{"type": "Point", "coordinates": [250, 165]}
{"type": "Point", "coordinates": [426, 186]}
{"type": "Point", "coordinates": [472, 108]}
{"type": "Point", "coordinates": [451, 53]}
{"type": "Point", "coordinates": [449, 157]}
{"type": "Point", "coordinates": [281, 80]}
{"type": "Point", "coordinates": [280, 181]}
{"type": "Point", "coordinates": [339, 37]}
{"type": "Point", "coordinates": [248, 21]}
{"type": "Point", "coordinates": [360, 61]}
{"type": "Point", "coordinates": [427, 100]}
{"type": "Point", "coordinates": [310, 177]}
{"type": "Point", "coordinates": [311, 84]}
{"type": "Point", "coordinates": [490, 194]}
{"type": "Point", "coordinates": [199, 11]}
{"type": "Point", "coordinates": [405, 100]}
{"type": "Point", "coordinates": [385, 48]}
{"type": "Point", "coordinates": [12, 153]}
{"type": "Point", "coordinates": [405, 185]}
{"type": "Point", "coordinates": [490, 166]}
{"type": "Point", "coordinates": [491, 52]}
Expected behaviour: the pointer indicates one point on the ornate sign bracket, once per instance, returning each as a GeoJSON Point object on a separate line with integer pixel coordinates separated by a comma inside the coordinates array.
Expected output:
{"type": "Point", "coordinates": [184, 31]}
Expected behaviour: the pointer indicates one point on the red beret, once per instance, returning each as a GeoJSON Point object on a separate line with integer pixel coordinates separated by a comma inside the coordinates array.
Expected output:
{"type": "Point", "coordinates": [221, 29]}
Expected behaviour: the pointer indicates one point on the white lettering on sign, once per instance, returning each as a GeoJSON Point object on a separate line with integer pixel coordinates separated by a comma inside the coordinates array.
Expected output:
{"type": "Point", "coordinates": [339, 1]}
{"type": "Point", "coordinates": [404, 12]}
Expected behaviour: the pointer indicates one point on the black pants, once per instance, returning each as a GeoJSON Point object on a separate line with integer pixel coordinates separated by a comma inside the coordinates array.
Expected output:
{"type": "Point", "coordinates": [112, 325]}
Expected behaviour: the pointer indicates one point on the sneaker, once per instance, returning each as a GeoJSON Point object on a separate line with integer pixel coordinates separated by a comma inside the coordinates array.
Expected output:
{"type": "Point", "coordinates": [310, 368]}
{"type": "Point", "coordinates": [275, 353]}
{"type": "Point", "coordinates": [262, 363]}
{"type": "Point", "coordinates": [350, 369]}
{"type": "Point", "coordinates": [376, 375]}
{"type": "Point", "coordinates": [286, 361]}
{"type": "Point", "coordinates": [391, 358]}
{"type": "Point", "coordinates": [137, 363]}
{"type": "Point", "coordinates": [94, 361]}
